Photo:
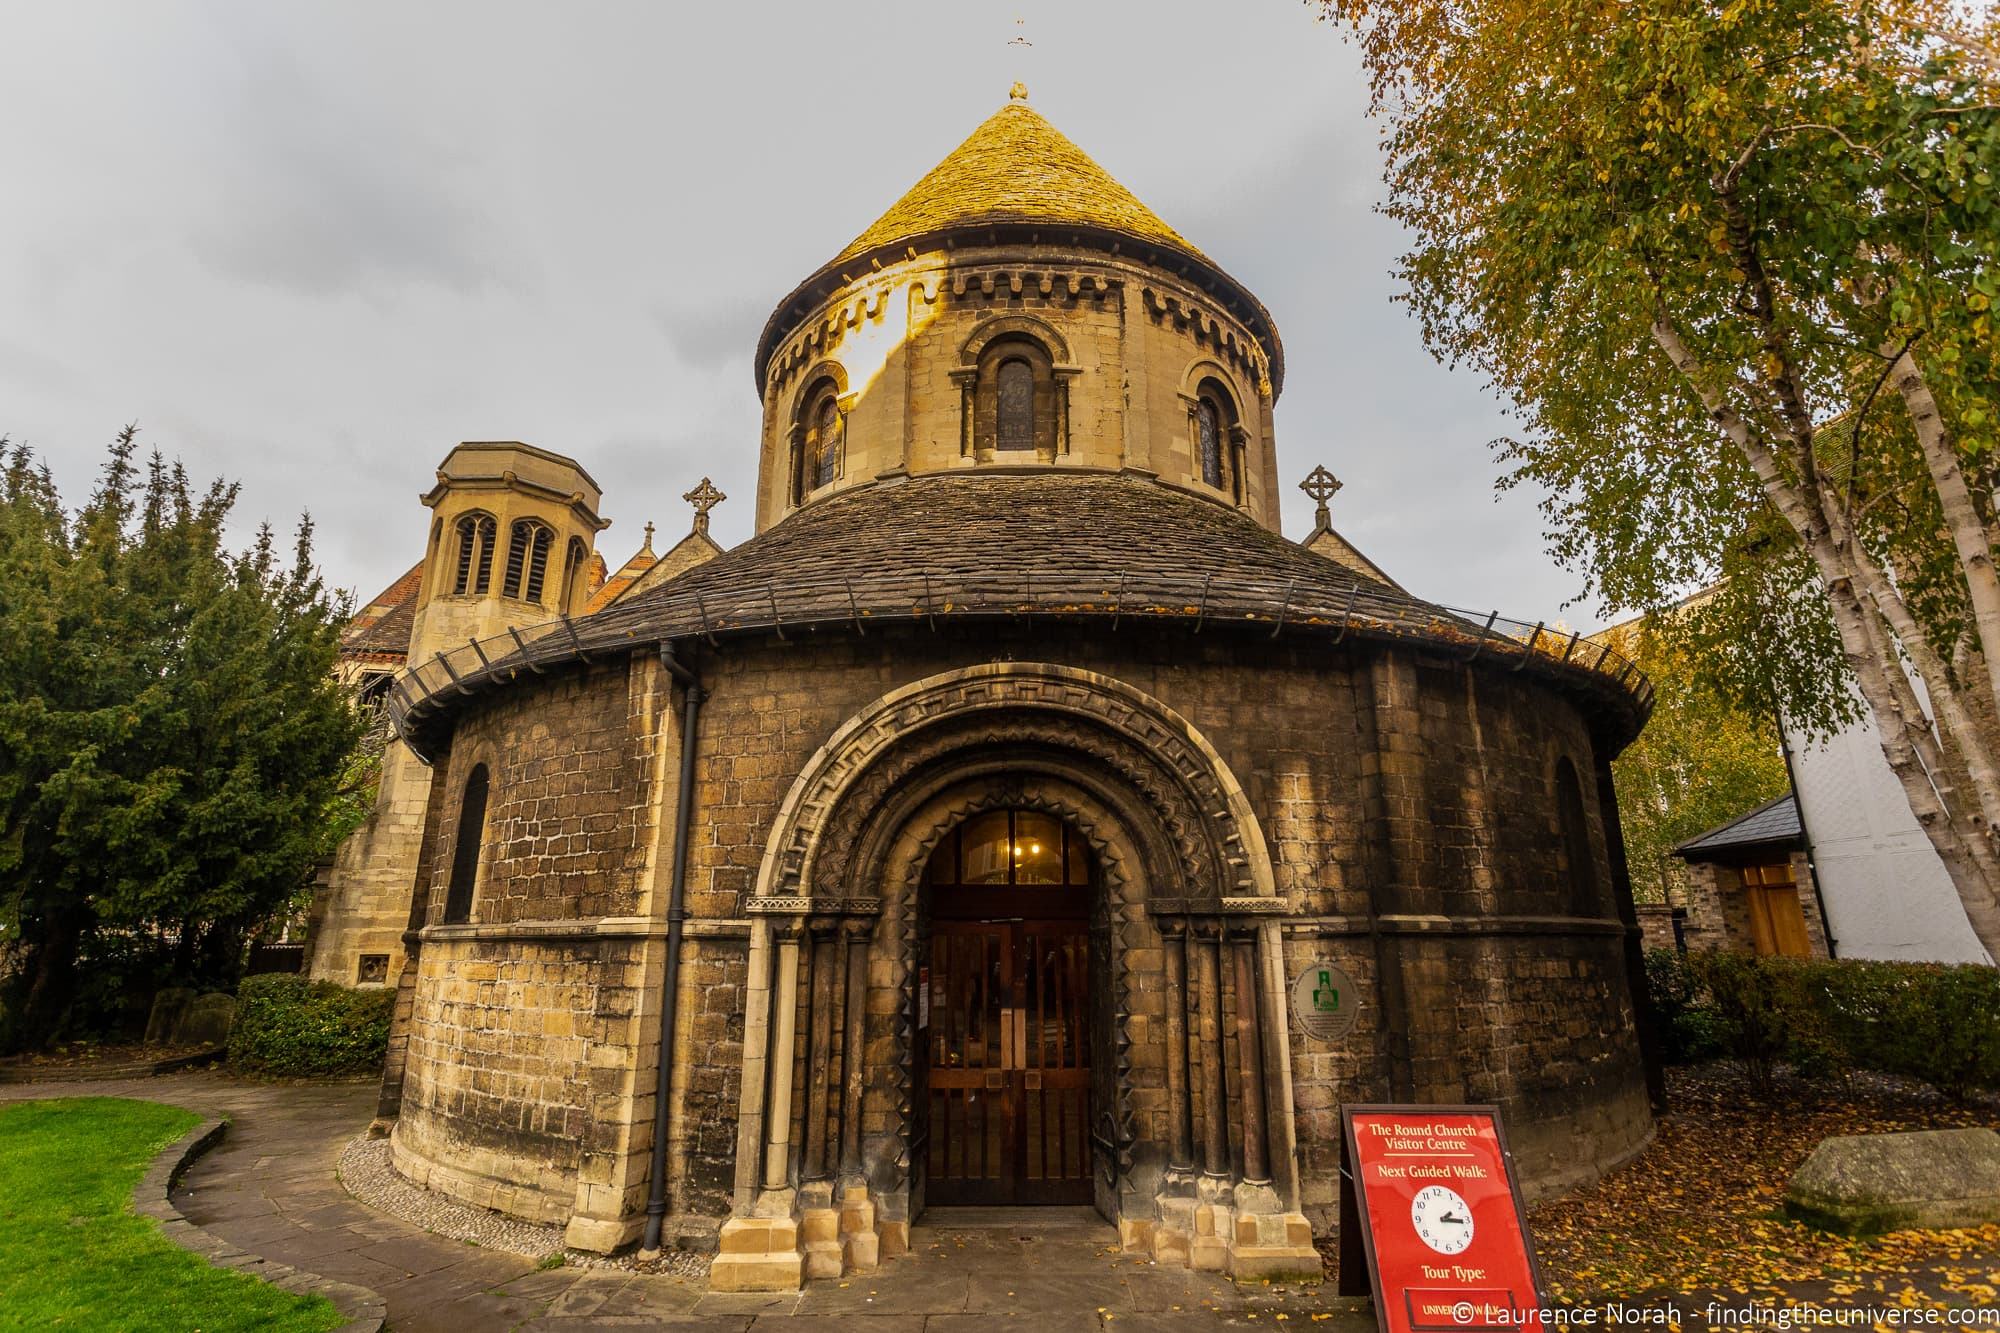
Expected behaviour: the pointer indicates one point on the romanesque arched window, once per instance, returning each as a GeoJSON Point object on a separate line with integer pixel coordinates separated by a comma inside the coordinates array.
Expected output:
{"type": "Point", "coordinates": [1014, 409]}
{"type": "Point", "coordinates": [818, 440]}
{"type": "Point", "coordinates": [1014, 405]}
{"type": "Point", "coordinates": [465, 848]}
{"type": "Point", "coordinates": [575, 565]}
{"type": "Point", "coordinates": [527, 559]}
{"type": "Point", "coordinates": [475, 555]}
{"type": "Point", "coordinates": [1580, 866]}
{"type": "Point", "coordinates": [1218, 439]}
{"type": "Point", "coordinates": [1209, 438]}
{"type": "Point", "coordinates": [824, 441]}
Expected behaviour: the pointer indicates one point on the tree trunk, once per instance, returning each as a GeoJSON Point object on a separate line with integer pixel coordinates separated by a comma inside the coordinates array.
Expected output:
{"type": "Point", "coordinates": [1961, 515]}
{"type": "Point", "coordinates": [52, 980]}
{"type": "Point", "coordinates": [1900, 723]}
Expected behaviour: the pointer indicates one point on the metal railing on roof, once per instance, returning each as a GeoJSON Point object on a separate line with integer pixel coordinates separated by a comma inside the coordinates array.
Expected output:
{"type": "Point", "coordinates": [923, 597]}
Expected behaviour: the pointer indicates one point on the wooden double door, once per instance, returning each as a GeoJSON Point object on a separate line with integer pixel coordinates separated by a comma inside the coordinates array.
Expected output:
{"type": "Point", "coordinates": [1007, 1061]}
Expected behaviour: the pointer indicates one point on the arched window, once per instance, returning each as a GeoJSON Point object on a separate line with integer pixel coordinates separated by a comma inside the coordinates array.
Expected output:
{"type": "Point", "coordinates": [1022, 847]}
{"type": "Point", "coordinates": [818, 439]}
{"type": "Point", "coordinates": [1581, 865]}
{"type": "Point", "coordinates": [1209, 431]}
{"type": "Point", "coordinates": [527, 560]}
{"type": "Point", "coordinates": [1015, 402]}
{"type": "Point", "coordinates": [825, 442]}
{"type": "Point", "coordinates": [574, 566]}
{"type": "Point", "coordinates": [1218, 449]}
{"type": "Point", "coordinates": [1014, 426]}
{"type": "Point", "coordinates": [475, 555]}
{"type": "Point", "coordinates": [465, 848]}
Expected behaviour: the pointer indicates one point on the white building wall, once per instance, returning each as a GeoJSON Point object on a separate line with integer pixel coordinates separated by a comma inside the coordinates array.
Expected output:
{"type": "Point", "coordinates": [1886, 892]}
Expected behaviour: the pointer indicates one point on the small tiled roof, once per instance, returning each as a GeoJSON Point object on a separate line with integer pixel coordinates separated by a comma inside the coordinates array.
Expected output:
{"type": "Point", "coordinates": [1774, 823]}
{"type": "Point", "coordinates": [381, 629]}
{"type": "Point", "coordinates": [1016, 167]}
{"type": "Point", "coordinates": [609, 589]}
{"type": "Point", "coordinates": [1056, 543]}
{"type": "Point", "coordinates": [1018, 176]}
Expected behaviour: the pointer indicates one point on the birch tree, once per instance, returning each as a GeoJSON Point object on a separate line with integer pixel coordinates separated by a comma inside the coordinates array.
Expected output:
{"type": "Point", "coordinates": [1734, 264]}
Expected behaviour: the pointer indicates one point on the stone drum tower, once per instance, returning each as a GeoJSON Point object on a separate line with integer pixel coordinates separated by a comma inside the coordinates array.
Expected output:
{"type": "Point", "coordinates": [960, 838]}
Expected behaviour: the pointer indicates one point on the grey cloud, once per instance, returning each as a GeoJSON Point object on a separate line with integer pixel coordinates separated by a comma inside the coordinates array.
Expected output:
{"type": "Point", "coordinates": [709, 337]}
{"type": "Point", "coordinates": [321, 191]}
{"type": "Point", "coordinates": [313, 245]}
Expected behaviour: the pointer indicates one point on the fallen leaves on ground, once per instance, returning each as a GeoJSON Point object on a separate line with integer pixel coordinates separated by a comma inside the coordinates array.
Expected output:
{"type": "Point", "coordinates": [1701, 1209]}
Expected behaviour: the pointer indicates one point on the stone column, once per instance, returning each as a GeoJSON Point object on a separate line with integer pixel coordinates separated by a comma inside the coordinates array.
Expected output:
{"type": "Point", "coordinates": [1267, 1237]}
{"type": "Point", "coordinates": [819, 1070]}
{"type": "Point", "coordinates": [784, 1041]}
{"type": "Point", "coordinates": [852, 1066]}
{"type": "Point", "coordinates": [759, 1246]}
{"type": "Point", "coordinates": [1173, 1235]}
{"type": "Point", "coordinates": [1180, 1104]}
{"type": "Point", "coordinates": [1250, 1065]}
{"type": "Point", "coordinates": [1212, 1219]}
{"type": "Point", "coordinates": [860, 1242]}
{"type": "Point", "coordinates": [968, 407]}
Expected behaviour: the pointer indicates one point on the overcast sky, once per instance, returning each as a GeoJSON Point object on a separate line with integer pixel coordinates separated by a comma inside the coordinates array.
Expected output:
{"type": "Point", "coordinates": [310, 247]}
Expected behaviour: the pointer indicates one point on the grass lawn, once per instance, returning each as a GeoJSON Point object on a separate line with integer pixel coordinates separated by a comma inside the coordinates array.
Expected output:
{"type": "Point", "coordinates": [74, 1255]}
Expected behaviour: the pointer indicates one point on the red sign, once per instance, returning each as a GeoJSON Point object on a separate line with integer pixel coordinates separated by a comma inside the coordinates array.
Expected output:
{"type": "Point", "coordinates": [1431, 1192]}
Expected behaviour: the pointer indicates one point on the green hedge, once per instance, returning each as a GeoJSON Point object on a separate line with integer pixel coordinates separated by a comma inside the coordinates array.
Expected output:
{"type": "Point", "coordinates": [289, 1027]}
{"type": "Point", "coordinates": [1929, 1021]}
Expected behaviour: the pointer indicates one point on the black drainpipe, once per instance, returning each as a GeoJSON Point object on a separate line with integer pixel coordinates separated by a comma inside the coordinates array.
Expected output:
{"type": "Point", "coordinates": [656, 1189]}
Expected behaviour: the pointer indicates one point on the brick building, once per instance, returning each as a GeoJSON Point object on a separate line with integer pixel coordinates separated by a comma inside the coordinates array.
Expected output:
{"type": "Point", "coordinates": [1751, 886]}
{"type": "Point", "coordinates": [961, 836]}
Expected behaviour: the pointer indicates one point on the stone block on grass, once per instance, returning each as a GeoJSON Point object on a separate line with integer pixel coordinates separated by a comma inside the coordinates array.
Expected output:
{"type": "Point", "coordinates": [1865, 1184]}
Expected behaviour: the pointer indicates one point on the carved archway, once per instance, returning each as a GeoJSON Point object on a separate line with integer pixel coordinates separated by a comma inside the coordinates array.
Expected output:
{"type": "Point", "coordinates": [1189, 912]}
{"type": "Point", "coordinates": [1119, 719]}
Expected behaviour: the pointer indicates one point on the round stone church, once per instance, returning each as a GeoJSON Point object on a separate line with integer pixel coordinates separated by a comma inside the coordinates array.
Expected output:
{"type": "Point", "coordinates": [1018, 818]}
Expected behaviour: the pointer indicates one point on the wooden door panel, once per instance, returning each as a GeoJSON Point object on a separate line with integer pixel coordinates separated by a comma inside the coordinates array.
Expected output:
{"type": "Point", "coordinates": [1008, 1068]}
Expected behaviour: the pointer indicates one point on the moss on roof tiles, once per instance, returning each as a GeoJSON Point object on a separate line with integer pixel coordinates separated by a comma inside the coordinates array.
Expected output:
{"type": "Point", "coordinates": [1016, 167]}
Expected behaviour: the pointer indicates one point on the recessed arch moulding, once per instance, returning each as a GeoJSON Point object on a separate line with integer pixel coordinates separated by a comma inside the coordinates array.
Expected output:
{"type": "Point", "coordinates": [1190, 1114]}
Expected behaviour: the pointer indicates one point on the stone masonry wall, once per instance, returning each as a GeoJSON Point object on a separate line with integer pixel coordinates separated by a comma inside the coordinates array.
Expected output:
{"type": "Point", "coordinates": [1408, 805]}
{"type": "Point", "coordinates": [1138, 339]}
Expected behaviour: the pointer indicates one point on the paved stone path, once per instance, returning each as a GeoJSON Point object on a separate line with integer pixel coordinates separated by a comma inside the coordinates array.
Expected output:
{"type": "Point", "coordinates": [269, 1188]}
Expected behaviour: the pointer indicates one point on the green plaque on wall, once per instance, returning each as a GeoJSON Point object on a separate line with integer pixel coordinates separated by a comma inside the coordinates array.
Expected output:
{"type": "Point", "coordinates": [1325, 1001]}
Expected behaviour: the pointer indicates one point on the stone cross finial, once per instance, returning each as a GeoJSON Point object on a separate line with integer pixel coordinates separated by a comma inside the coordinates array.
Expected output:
{"type": "Point", "coordinates": [1321, 486]}
{"type": "Point", "coordinates": [649, 538]}
{"type": "Point", "coordinates": [704, 498]}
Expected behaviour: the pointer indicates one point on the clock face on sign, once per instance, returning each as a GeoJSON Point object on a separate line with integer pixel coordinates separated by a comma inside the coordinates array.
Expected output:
{"type": "Point", "coordinates": [1442, 1219]}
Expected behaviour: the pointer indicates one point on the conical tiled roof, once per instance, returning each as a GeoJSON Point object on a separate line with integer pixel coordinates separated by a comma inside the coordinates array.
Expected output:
{"type": "Point", "coordinates": [1015, 168]}
{"type": "Point", "coordinates": [1017, 178]}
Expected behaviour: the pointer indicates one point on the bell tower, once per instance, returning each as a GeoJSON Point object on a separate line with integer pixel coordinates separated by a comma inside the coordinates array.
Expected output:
{"type": "Point", "coordinates": [512, 532]}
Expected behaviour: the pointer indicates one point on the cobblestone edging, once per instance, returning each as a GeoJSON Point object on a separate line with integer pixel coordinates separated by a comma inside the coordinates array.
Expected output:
{"type": "Point", "coordinates": [363, 1309]}
{"type": "Point", "coordinates": [366, 1172]}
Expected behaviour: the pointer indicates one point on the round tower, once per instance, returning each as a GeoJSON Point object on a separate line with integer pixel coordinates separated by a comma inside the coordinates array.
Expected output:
{"type": "Point", "coordinates": [1019, 309]}
{"type": "Point", "coordinates": [1008, 820]}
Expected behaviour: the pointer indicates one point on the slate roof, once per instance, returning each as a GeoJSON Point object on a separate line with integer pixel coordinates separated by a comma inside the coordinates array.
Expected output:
{"type": "Point", "coordinates": [1017, 176]}
{"type": "Point", "coordinates": [1063, 543]}
{"type": "Point", "coordinates": [1772, 824]}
